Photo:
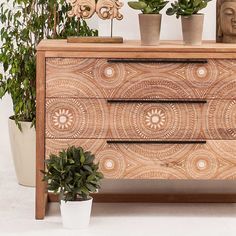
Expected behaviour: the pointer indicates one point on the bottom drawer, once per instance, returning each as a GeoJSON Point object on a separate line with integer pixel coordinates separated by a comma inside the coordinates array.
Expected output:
{"type": "Point", "coordinates": [214, 160]}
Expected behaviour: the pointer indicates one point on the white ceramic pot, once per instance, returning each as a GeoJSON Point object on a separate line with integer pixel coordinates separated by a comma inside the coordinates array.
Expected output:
{"type": "Point", "coordinates": [23, 148]}
{"type": "Point", "coordinates": [76, 214]}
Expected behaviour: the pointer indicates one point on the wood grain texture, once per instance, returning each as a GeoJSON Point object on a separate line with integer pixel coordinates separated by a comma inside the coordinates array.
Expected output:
{"type": "Point", "coordinates": [96, 118]}
{"type": "Point", "coordinates": [40, 137]}
{"type": "Point", "coordinates": [96, 78]}
{"type": "Point", "coordinates": [94, 39]}
{"type": "Point", "coordinates": [135, 46]}
{"type": "Point", "coordinates": [214, 160]}
{"type": "Point", "coordinates": [145, 54]}
{"type": "Point", "coordinates": [79, 80]}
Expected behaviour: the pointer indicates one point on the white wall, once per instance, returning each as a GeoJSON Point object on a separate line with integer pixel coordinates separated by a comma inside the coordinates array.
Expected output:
{"type": "Point", "coordinates": [171, 27]}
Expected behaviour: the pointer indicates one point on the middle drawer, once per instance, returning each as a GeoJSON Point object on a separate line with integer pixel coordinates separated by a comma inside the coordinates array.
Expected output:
{"type": "Point", "coordinates": [140, 119]}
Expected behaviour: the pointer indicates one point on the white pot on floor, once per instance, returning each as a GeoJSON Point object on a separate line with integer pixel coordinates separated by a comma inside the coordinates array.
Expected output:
{"type": "Point", "coordinates": [76, 214]}
{"type": "Point", "coordinates": [23, 148]}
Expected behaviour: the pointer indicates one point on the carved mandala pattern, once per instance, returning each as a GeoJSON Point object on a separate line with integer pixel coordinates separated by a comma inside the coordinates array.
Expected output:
{"type": "Point", "coordinates": [63, 119]}
{"type": "Point", "coordinates": [155, 119]}
{"type": "Point", "coordinates": [201, 164]}
{"type": "Point", "coordinates": [187, 161]}
{"type": "Point", "coordinates": [221, 119]}
{"type": "Point", "coordinates": [83, 117]}
{"type": "Point", "coordinates": [112, 163]}
{"type": "Point", "coordinates": [143, 80]}
{"type": "Point", "coordinates": [75, 118]}
{"type": "Point", "coordinates": [109, 76]}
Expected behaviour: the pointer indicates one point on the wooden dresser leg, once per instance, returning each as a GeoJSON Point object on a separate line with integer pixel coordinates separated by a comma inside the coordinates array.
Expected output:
{"type": "Point", "coordinates": [41, 201]}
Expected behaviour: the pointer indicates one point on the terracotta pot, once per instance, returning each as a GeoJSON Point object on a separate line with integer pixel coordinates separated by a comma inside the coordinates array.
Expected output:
{"type": "Point", "coordinates": [192, 27]}
{"type": "Point", "coordinates": [150, 27]}
{"type": "Point", "coordinates": [23, 149]}
{"type": "Point", "coordinates": [76, 214]}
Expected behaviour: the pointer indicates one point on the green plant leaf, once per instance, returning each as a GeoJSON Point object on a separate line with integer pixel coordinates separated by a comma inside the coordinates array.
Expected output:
{"type": "Point", "coordinates": [137, 5]}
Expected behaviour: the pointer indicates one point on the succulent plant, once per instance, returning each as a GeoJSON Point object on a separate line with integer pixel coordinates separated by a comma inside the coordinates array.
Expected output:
{"type": "Point", "coordinates": [186, 7]}
{"type": "Point", "coordinates": [148, 6]}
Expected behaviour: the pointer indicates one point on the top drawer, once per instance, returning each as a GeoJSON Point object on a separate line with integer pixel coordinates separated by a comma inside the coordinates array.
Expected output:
{"type": "Point", "coordinates": [140, 78]}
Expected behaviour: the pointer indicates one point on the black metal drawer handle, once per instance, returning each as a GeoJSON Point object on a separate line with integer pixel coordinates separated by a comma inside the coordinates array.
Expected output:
{"type": "Point", "coordinates": [156, 60]}
{"type": "Point", "coordinates": [154, 101]}
{"type": "Point", "coordinates": [156, 142]}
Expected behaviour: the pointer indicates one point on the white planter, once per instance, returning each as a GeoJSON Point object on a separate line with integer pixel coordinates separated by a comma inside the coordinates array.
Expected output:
{"type": "Point", "coordinates": [23, 148]}
{"type": "Point", "coordinates": [76, 214]}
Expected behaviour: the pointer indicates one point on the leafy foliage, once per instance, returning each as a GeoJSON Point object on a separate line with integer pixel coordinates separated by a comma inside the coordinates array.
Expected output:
{"type": "Point", "coordinates": [186, 7]}
{"type": "Point", "coordinates": [73, 174]}
{"type": "Point", "coordinates": [24, 24]}
{"type": "Point", "coordinates": [148, 6]}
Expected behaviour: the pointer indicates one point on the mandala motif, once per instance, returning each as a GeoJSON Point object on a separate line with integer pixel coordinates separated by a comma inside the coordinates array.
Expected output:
{"type": "Point", "coordinates": [154, 87]}
{"type": "Point", "coordinates": [155, 119]}
{"type": "Point", "coordinates": [167, 120]}
{"type": "Point", "coordinates": [214, 160]}
{"type": "Point", "coordinates": [63, 118]}
{"type": "Point", "coordinates": [55, 65]}
{"type": "Point", "coordinates": [140, 80]}
{"type": "Point", "coordinates": [112, 163]}
{"type": "Point", "coordinates": [221, 119]}
{"type": "Point", "coordinates": [75, 118]}
{"type": "Point", "coordinates": [201, 164]}
{"type": "Point", "coordinates": [109, 76]}
{"type": "Point", "coordinates": [54, 146]}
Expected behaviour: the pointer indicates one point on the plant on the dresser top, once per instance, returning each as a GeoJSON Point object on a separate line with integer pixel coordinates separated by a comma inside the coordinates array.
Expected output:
{"type": "Point", "coordinates": [147, 6]}
{"type": "Point", "coordinates": [73, 175]}
{"type": "Point", "coordinates": [24, 24]}
{"type": "Point", "coordinates": [150, 20]}
{"type": "Point", "coordinates": [192, 20]}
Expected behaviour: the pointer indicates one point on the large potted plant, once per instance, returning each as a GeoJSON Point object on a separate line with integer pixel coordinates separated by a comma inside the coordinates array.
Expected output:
{"type": "Point", "coordinates": [73, 175]}
{"type": "Point", "coordinates": [149, 19]}
{"type": "Point", "coordinates": [192, 20]}
{"type": "Point", "coordinates": [24, 24]}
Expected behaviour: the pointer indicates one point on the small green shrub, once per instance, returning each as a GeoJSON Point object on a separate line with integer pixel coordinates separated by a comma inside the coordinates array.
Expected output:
{"type": "Point", "coordinates": [148, 6]}
{"type": "Point", "coordinates": [72, 174]}
{"type": "Point", "coordinates": [186, 7]}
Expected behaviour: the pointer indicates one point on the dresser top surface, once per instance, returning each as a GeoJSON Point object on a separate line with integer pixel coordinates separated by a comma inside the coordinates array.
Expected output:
{"type": "Point", "coordinates": [131, 46]}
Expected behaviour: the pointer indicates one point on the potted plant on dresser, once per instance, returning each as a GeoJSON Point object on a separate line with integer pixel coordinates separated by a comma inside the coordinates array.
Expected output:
{"type": "Point", "coordinates": [73, 175]}
{"type": "Point", "coordinates": [149, 19]}
{"type": "Point", "coordinates": [192, 20]}
{"type": "Point", "coordinates": [23, 26]}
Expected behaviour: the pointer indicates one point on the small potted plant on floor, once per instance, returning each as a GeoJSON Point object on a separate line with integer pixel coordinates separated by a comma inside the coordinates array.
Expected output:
{"type": "Point", "coordinates": [192, 20]}
{"type": "Point", "coordinates": [149, 20]}
{"type": "Point", "coordinates": [73, 175]}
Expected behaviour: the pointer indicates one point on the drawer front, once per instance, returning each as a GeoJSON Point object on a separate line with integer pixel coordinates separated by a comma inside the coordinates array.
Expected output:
{"type": "Point", "coordinates": [133, 119]}
{"type": "Point", "coordinates": [213, 160]}
{"type": "Point", "coordinates": [99, 78]}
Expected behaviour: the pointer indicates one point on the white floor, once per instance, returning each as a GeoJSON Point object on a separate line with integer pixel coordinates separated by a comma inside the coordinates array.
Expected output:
{"type": "Point", "coordinates": [17, 215]}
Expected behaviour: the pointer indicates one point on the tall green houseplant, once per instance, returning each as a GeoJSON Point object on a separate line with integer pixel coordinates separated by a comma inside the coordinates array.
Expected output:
{"type": "Point", "coordinates": [24, 24]}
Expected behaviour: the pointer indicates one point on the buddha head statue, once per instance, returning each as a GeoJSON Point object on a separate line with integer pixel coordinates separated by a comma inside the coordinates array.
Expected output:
{"type": "Point", "coordinates": [226, 21]}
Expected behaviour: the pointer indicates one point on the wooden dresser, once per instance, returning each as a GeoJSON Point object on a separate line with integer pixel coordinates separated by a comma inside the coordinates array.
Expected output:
{"type": "Point", "coordinates": [166, 112]}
